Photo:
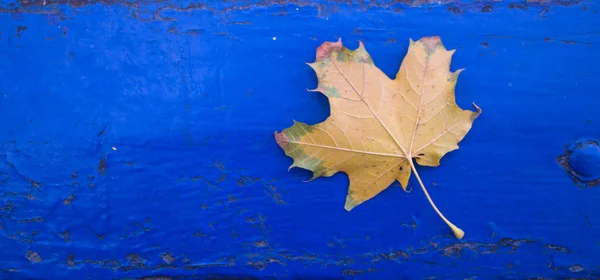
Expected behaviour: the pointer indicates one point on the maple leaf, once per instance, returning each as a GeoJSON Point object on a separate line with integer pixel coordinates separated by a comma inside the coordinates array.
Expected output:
{"type": "Point", "coordinates": [379, 125]}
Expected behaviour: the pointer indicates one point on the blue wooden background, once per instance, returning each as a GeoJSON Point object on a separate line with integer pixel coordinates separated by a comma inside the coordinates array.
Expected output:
{"type": "Point", "coordinates": [136, 140]}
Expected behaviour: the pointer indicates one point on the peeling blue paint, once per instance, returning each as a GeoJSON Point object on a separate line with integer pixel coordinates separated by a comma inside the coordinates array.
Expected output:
{"type": "Point", "coordinates": [136, 141]}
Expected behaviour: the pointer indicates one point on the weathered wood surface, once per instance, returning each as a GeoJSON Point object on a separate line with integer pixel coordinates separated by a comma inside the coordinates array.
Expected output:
{"type": "Point", "coordinates": [137, 140]}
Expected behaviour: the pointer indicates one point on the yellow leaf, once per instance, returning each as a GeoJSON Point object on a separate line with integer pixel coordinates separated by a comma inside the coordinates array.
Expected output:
{"type": "Point", "coordinates": [379, 125]}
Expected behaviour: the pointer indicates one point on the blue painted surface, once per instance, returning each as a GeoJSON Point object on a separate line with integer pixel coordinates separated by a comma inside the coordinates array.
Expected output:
{"type": "Point", "coordinates": [137, 140]}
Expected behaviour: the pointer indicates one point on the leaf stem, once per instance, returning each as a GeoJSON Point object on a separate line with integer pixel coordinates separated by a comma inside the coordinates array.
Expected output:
{"type": "Point", "coordinates": [459, 233]}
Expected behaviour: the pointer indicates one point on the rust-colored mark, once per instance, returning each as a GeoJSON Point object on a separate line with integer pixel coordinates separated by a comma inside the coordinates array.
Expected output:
{"type": "Point", "coordinates": [355, 272]}
{"type": "Point", "coordinates": [105, 125]}
{"type": "Point", "coordinates": [32, 220]}
{"type": "Point", "coordinates": [130, 163]}
{"type": "Point", "coordinates": [219, 165]}
{"type": "Point", "coordinates": [232, 198]}
{"type": "Point", "coordinates": [241, 181]}
{"type": "Point", "coordinates": [581, 161]}
{"type": "Point", "coordinates": [234, 234]}
{"type": "Point", "coordinates": [20, 30]}
{"type": "Point", "coordinates": [203, 206]}
{"type": "Point", "coordinates": [111, 264]}
{"type": "Point", "coordinates": [102, 166]}
{"type": "Point", "coordinates": [71, 260]}
{"type": "Point", "coordinates": [271, 191]}
{"type": "Point", "coordinates": [167, 258]}
{"type": "Point", "coordinates": [69, 199]}
{"type": "Point", "coordinates": [74, 175]}
{"type": "Point", "coordinates": [453, 9]}
{"type": "Point", "coordinates": [576, 268]}
{"type": "Point", "coordinates": [344, 261]}
{"type": "Point", "coordinates": [521, 6]}
{"type": "Point", "coordinates": [135, 261]}
{"type": "Point", "coordinates": [173, 29]}
{"type": "Point", "coordinates": [222, 178]}
{"type": "Point", "coordinates": [547, 39]}
{"type": "Point", "coordinates": [193, 32]}
{"type": "Point", "coordinates": [394, 256]}
{"type": "Point", "coordinates": [456, 249]}
{"type": "Point", "coordinates": [485, 44]}
{"type": "Point", "coordinates": [261, 244]}
{"type": "Point", "coordinates": [199, 234]}
{"type": "Point", "coordinates": [487, 9]}
{"type": "Point", "coordinates": [557, 248]}
{"type": "Point", "coordinates": [257, 265]}
{"type": "Point", "coordinates": [66, 235]}
{"type": "Point", "coordinates": [33, 257]}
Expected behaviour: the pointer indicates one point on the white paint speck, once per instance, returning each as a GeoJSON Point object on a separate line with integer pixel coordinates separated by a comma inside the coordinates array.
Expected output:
{"type": "Point", "coordinates": [274, 38]}
{"type": "Point", "coordinates": [296, 9]}
{"type": "Point", "coordinates": [114, 148]}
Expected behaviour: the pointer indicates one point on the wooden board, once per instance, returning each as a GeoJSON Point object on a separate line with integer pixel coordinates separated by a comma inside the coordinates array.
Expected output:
{"type": "Point", "coordinates": [137, 141]}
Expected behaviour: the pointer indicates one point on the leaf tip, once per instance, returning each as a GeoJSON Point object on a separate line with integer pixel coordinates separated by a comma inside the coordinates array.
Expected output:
{"type": "Point", "coordinates": [325, 49]}
{"type": "Point", "coordinates": [350, 203]}
{"type": "Point", "coordinates": [291, 166]}
{"type": "Point", "coordinates": [431, 44]}
{"type": "Point", "coordinates": [281, 139]}
{"type": "Point", "coordinates": [479, 111]}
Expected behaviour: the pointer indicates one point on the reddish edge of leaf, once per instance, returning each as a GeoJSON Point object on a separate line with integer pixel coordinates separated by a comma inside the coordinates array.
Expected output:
{"type": "Point", "coordinates": [431, 42]}
{"type": "Point", "coordinates": [325, 49]}
{"type": "Point", "coordinates": [281, 139]}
